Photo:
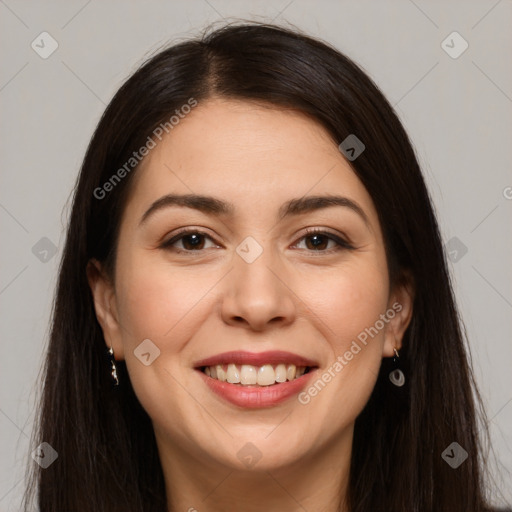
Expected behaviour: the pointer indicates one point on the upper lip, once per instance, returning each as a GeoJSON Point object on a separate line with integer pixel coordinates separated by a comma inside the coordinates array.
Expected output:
{"type": "Point", "coordinates": [256, 359]}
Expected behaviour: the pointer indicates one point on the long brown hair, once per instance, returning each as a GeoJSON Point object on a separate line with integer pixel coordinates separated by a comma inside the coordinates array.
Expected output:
{"type": "Point", "coordinates": [107, 453]}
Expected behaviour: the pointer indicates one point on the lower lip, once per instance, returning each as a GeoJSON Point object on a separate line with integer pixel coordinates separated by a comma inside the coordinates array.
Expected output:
{"type": "Point", "coordinates": [257, 397]}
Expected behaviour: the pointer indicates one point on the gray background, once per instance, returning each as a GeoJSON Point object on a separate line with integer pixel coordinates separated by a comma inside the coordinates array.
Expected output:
{"type": "Point", "coordinates": [457, 111]}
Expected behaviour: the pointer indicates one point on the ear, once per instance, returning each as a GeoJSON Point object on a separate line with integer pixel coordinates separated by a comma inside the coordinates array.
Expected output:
{"type": "Point", "coordinates": [399, 312]}
{"type": "Point", "coordinates": [103, 293]}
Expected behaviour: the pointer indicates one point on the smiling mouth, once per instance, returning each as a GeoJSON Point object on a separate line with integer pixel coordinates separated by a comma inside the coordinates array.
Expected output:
{"type": "Point", "coordinates": [256, 376]}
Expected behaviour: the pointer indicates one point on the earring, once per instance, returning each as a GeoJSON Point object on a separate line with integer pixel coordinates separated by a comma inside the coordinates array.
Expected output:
{"type": "Point", "coordinates": [396, 375]}
{"type": "Point", "coordinates": [113, 370]}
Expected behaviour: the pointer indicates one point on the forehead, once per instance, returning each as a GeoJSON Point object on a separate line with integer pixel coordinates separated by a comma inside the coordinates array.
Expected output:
{"type": "Point", "coordinates": [248, 154]}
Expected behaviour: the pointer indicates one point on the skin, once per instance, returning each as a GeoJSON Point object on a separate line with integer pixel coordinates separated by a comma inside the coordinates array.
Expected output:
{"type": "Point", "coordinates": [313, 302]}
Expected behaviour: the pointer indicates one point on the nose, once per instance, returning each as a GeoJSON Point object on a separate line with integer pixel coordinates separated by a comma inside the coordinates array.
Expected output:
{"type": "Point", "coordinates": [257, 295]}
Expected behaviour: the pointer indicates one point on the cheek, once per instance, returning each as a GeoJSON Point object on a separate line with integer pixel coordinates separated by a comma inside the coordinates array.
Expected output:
{"type": "Point", "coordinates": [350, 303]}
{"type": "Point", "coordinates": [161, 304]}
{"type": "Point", "coordinates": [347, 299]}
{"type": "Point", "coordinates": [155, 301]}
{"type": "Point", "coordinates": [361, 298]}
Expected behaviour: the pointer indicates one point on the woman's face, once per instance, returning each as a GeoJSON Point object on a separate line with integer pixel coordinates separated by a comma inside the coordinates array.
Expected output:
{"type": "Point", "coordinates": [249, 287]}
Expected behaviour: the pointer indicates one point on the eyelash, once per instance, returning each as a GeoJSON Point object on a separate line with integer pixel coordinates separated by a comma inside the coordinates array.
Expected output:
{"type": "Point", "coordinates": [341, 243]}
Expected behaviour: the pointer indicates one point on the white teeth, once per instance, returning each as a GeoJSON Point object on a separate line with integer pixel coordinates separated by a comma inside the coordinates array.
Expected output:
{"type": "Point", "coordinates": [249, 375]}
{"type": "Point", "coordinates": [266, 375]}
{"type": "Point", "coordinates": [233, 376]}
{"type": "Point", "coordinates": [280, 373]}
{"type": "Point", "coordinates": [290, 371]}
{"type": "Point", "coordinates": [221, 374]}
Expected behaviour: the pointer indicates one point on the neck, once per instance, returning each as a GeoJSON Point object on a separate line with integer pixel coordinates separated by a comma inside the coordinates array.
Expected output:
{"type": "Point", "coordinates": [316, 482]}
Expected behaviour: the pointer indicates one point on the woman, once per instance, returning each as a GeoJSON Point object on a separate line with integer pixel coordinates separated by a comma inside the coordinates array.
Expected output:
{"type": "Point", "coordinates": [253, 309]}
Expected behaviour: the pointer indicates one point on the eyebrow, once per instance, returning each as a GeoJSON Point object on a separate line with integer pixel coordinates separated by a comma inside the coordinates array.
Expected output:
{"type": "Point", "coordinates": [213, 206]}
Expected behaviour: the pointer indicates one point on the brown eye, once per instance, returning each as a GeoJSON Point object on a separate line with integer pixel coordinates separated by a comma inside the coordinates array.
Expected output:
{"type": "Point", "coordinates": [317, 242]}
{"type": "Point", "coordinates": [190, 240]}
{"type": "Point", "coordinates": [322, 241]}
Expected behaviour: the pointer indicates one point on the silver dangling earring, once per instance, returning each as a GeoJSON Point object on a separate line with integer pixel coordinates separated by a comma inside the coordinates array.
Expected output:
{"type": "Point", "coordinates": [396, 375]}
{"type": "Point", "coordinates": [113, 370]}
